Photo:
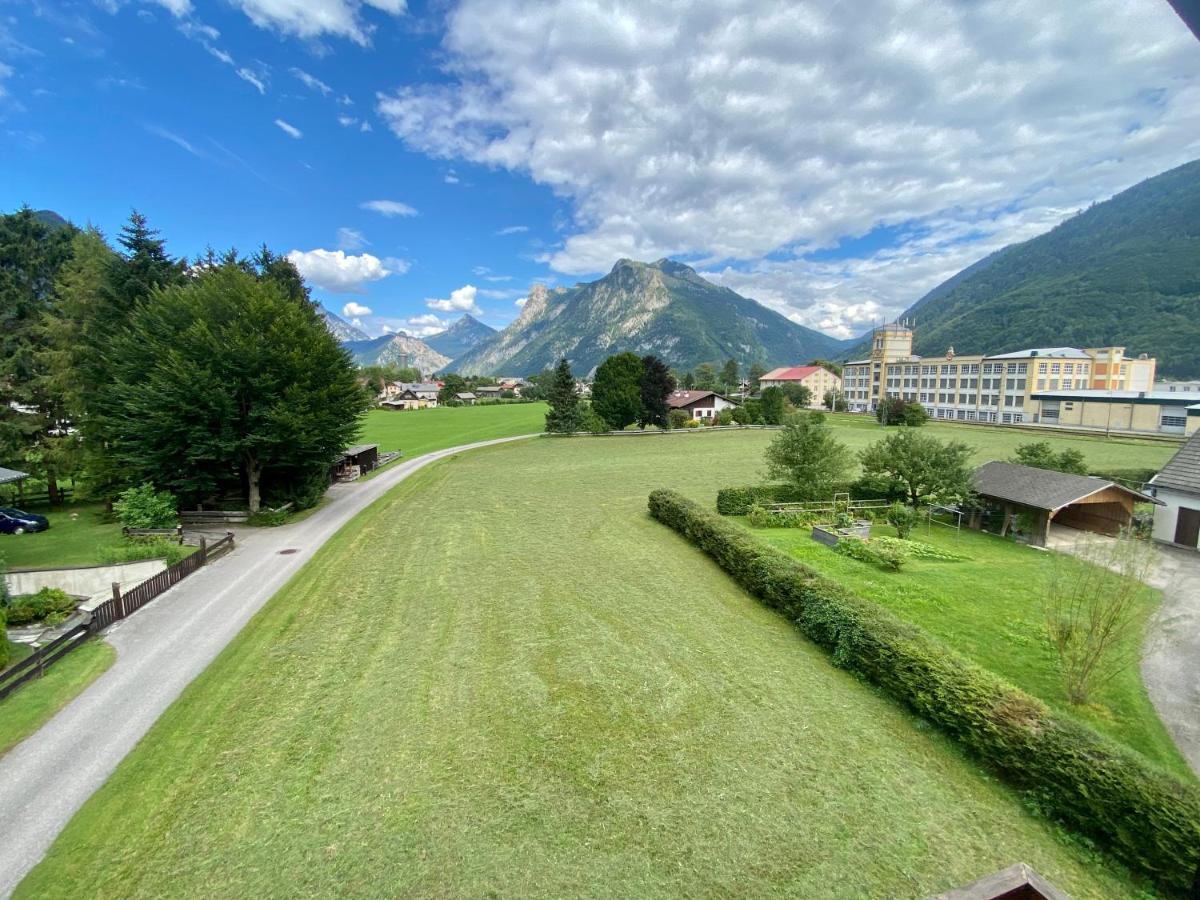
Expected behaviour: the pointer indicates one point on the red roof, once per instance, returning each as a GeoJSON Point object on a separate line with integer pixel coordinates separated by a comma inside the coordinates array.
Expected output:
{"type": "Point", "coordinates": [794, 373]}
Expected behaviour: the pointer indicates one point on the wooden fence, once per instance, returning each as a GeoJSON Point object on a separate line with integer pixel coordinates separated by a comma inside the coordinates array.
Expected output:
{"type": "Point", "coordinates": [120, 606]}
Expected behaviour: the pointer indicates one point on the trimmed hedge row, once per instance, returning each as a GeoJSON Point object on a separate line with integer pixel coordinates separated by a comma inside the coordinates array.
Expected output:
{"type": "Point", "coordinates": [1147, 818]}
{"type": "Point", "coordinates": [736, 501]}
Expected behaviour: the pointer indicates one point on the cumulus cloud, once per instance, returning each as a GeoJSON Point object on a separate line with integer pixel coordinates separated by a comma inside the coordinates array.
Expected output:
{"type": "Point", "coordinates": [355, 309]}
{"type": "Point", "coordinates": [311, 19]}
{"type": "Point", "coordinates": [339, 272]}
{"type": "Point", "coordinates": [290, 130]}
{"type": "Point", "coordinates": [388, 208]}
{"type": "Point", "coordinates": [787, 128]}
{"type": "Point", "coordinates": [460, 300]}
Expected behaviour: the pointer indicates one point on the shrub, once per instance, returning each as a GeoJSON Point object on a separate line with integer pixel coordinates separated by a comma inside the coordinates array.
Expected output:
{"type": "Point", "coordinates": [890, 556]}
{"type": "Point", "coordinates": [269, 518]}
{"type": "Point", "coordinates": [920, 550]}
{"type": "Point", "coordinates": [144, 507]}
{"type": "Point", "coordinates": [133, 550]}
{"type": "Point", "coordinates": [678, 418]}
{"type": "Point", "coordinates": [590, 420]}
{"type": "Point", "coordinates": [724, 417]}
{"type": "Point", "coordinates": [903, 518]}
{"type": "Point", "coordinates": [1145, 816]}
{"type": "Point", "coordinates": [740, 415]}
{"type": "Point", "coordinates": [761, 517]}
{"type": "Point", "coordinates": [49, 604]}
{"type": "Point", "coordinates": [4, 652]}
{"type": "Point", "coordinates": [736, 501]}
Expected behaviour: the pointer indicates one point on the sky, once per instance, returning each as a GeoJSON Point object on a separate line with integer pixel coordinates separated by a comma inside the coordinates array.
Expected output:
{"type": "Point", "coordinates": [419, 161]}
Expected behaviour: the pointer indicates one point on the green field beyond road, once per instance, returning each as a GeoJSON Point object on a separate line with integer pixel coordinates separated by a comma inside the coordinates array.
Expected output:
{"type": "Point", "coordinates": [420, 431]}
{"type": "Point", "coordinates": [539, 691]}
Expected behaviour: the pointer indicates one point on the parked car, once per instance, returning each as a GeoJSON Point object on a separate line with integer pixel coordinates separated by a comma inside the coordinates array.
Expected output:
{"type": "Point", "coordinates": [15, 521]}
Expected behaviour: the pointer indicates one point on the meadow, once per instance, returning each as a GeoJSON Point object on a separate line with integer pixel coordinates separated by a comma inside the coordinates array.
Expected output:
{"type": "Point", "coordinates": [424, 430]}
{"type": "Point", "coordinates": [542, 692]}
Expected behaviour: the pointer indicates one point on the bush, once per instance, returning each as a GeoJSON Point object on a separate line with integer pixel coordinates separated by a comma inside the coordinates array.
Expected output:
{"type": "Point", "coordinates": [591, 421]}
{"type": "Point", "coordinates": [890, 556]}
{"type": "Point", "coordinates": [724, 417]}
{"type": "Point", "coordinates": [761, 517]}
{"type": "Point", "coordinates": [919, 549]}
{"type": "Point", "coordinates": [49, 604]}
{"type": "Point", "coordinates": [740, 415]}
{"type": "Point", "coordinates": [1146, 817]}
{"type": "Point", "coordinates": [678, 418]}
{"type": "Point", "coordinates": [4, 651]}
{"type": "Point", "coordinates": [903, 518]}
{"type": "Point", "coordinates": [144, 507]}
{"type": "Point", "coordinates": [135, 550]}
{"type": "Point", "coordinates": [736, 501]}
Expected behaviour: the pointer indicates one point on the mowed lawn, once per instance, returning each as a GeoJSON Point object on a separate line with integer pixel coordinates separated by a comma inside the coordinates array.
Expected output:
{"type": "Point", "coordinates": [989, 607]}
{"type": "Point", "coordinates": [78, 535]}
{"type": "Point", "coordinates": [505, 679]}
{"type": "Point", "coordinates": [420, 431]}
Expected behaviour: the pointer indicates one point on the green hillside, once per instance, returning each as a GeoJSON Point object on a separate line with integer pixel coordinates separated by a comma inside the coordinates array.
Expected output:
{"type": "Point", "coordinates": [663, 308]}
{"type": "Point", "coordinates": [1125, 272]}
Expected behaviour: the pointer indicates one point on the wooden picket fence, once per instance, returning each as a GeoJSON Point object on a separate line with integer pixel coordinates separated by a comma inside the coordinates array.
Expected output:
{"type": "Point", "coordinates": [120, 606]}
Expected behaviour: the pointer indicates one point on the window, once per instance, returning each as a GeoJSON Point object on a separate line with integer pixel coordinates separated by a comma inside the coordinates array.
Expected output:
{"type": "Point", "coordinates": [1174, 421]}
{"type": "Point", "coordinates": [1067, 384]}
{"type": "Point", "coordinates": [1012, 367]}
{"type": "Point", "coordinates": [1041, 384]}
{"type": "Point", "coordinates": [1055, 368]}
{"type": "Point", "coordinates": [1022, 368]}
{"type": "Point", "coordinates": [1041, 368]}
{"type": "Point", "coordinates": [1068, 368]}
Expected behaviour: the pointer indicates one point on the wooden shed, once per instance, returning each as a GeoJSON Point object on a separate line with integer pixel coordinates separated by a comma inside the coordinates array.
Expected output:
{"type": "Point", "coordinates": [1077, 501]}
{"type": "Point", "coordinates": [356, 461]}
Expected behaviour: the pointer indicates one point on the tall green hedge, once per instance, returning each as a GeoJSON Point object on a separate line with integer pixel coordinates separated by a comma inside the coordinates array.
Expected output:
{"type": "Point", "coordinates": [1148, 818]}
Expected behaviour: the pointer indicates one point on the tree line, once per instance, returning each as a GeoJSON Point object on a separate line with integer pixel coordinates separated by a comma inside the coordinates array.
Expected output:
{"type": "Point", "coordinates": [122, 366]}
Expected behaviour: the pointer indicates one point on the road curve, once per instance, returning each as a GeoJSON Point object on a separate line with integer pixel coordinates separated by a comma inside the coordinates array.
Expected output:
{"type": "Point", "coordinates": [46, 778]}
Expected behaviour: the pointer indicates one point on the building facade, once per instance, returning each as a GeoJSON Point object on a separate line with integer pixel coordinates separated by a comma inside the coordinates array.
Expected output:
{"type": "Point", "coordinates": [1177, 488]}
{"type": "Point", "coordinates": [1000, 388]}
{"type": "Point", "coordinates": [700, 405]}
{"type": "Point", "coordinates": [817, 379]}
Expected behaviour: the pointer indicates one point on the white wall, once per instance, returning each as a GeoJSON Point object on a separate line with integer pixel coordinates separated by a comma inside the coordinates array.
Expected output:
{"type": "Point", "coordinates": [84, 581]}
{"type": "Point", "coordinates": [1165, 517]}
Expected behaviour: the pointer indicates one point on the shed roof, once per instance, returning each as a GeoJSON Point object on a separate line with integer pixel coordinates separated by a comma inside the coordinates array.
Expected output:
{"type": "Point", "coordinates": [1182, 471]}
{"type": "Point", "coordinates": [10, 475]}
{"type": "Point", "coordinates": [465, 395]}
{"type": "Point", "coordinates": [359, 448]}
{"type": "Point", "coordinates": [1039, 488]}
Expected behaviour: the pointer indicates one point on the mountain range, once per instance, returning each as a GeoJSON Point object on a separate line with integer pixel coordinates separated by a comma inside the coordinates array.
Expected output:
{"type": "Point", "coordinates": [396, 350]}
{"type": "Point", "coordinates": [663, 308]}
{"type": "Point", "coordinates": [1125, 272]}
{"type": "Point", "coordinates": [340, 328]}
{"type": "Point", "coordinates": [465, 334]}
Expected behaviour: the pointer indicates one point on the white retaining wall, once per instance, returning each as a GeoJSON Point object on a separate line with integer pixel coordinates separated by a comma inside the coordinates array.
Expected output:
{"type": "Point", "coordinates": [83, 581]}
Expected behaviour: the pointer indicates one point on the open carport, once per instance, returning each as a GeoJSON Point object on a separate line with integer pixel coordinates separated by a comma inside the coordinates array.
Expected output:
{"type": "Point", "coordinates": [1075, 501]}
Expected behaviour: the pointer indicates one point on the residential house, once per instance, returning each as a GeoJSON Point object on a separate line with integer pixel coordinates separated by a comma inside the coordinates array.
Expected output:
{"type": "Point", "coordinates": [489, 392]}
{"type": "Point", "coordinates": [817, 379]}
{"type": "Point", "coordinates": [466, 398]}
{"type": "Point", "coordinates": [700, 405]}
{"type": "Point", "coordinates": [1177, 487]}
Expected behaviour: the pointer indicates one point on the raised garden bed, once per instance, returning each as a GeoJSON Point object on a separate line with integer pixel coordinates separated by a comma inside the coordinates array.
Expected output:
{"type": "Point", "coordinates": [829, 535]}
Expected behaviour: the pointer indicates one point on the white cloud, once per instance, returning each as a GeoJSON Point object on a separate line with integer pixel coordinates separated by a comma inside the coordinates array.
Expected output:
{"type": "Point", "coordinates": [176, 8]}
{"type": "Point", "coordinates": [788, 127]}
{"type": "Point", "coordinates": [311, 19]}
{"type": "Point", "coordinates": [388, 208]}
{"type": "Point", "coordinates": [520, 302]}
{"type": "Point", "coordinates": [450, 177]}
{"type": "Point", "coordinates": [251, 78]}
{"type": "Point", "coordinates": [513, 229]}
{"type": "Point", "coordinates": [338, 272]}
{"type": "Point", "coordinates": [311, 81]}
{"type": "Point", "coordinates": [351, 239]}
{"type": "Point", "coordinates": [355, 309]}
{"type": "Point", "coordinates": [365, 126]}
{"type": "Point", "coordinates": [347, 121]}
{"type": "Point", "coordinates": [345, 100]}
{"type": "Point", "coordinates": [460, 300]}
{"type": "Point", "coordinates": [175, 139]}
{"type": "Point", "coordinates": [290, 130]}
{"type": "Point", "coordinates": [492, 294]}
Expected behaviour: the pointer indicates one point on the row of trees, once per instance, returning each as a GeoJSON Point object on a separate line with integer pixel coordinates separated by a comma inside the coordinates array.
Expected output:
{"type": "Point", "coordinates": [124, 366]}
{"type": "Point", "coordinates": [628, 389]}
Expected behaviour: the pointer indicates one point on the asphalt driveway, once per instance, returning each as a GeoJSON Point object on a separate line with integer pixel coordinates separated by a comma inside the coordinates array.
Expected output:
{"type": "Point", "coordinates": [46, 778]}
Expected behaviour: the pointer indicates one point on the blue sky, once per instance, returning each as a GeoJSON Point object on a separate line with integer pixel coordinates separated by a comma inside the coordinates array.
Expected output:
{"type": "Point", "coordinates": [834, 165]}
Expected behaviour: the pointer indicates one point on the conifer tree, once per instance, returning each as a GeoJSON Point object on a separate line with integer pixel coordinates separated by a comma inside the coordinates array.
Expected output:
{"type": "Point", "coordinates": [656, 385]}
{"type": "Point", "coordinates": [564, 416]}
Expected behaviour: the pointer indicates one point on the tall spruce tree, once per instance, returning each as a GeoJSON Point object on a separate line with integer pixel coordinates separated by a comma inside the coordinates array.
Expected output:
{"type": "Point", "coordinates": [656, 385]}
{"type": "Point", "coordinates": [145, 264]}
{"type": "Point", "coordinates": [564, 416]}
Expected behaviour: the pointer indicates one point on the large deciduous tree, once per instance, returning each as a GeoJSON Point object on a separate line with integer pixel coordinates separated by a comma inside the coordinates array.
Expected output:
{"type": "Point", "coordinates": [1040, 455]}
{"type": "Point", "coordinates": [229, 381]}
{"type": "Point", "coordinates": [617, 391]}
{"type": "Point", "coordinates": [564, 416]}
{"type": "Point", "coordinates": [924, 467]}
{"type": "Point", "coordinates": [656, 385]}
{"type": "Point", "coordinates": [806, 454]}
{"type": "Point", "coordinates": [771, 402]}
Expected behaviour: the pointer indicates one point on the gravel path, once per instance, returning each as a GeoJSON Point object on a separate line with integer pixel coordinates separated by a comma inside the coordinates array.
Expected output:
{"type": "Point", "coordinates": [1171, 657]}
{"type": "Point", "coordinates": [45, 779]}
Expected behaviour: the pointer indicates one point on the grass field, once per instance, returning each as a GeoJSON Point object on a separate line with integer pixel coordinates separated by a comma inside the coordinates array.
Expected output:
{"type": "Point", "coordinates": [540, 691]}
{"type": "Point", "coordinates": [425, 430]}
{"type": "Point", "coordinates": [25, 710]}
{"type": "Point", "coordinates": [989, 607]}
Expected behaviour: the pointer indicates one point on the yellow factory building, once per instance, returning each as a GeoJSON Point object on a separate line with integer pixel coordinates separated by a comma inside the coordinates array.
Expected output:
{"type": "Point", "coordinates": [1093, 387]}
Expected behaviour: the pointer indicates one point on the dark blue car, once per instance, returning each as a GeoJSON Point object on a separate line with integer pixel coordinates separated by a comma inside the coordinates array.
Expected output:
{"type": "Point", "coordinates": [14, 521]}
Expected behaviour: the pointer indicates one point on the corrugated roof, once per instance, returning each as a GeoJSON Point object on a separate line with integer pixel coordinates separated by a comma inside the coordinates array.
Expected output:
{"type": "Point", "coordinates": [10, 475]}
{"type": "Point", "coordinates": [1037, 488]}
{"type": "Point", "coordinates": [1051, 352]}
{"type": "Point", "coordinates": [1182, 471]}
{"type": "Point", "coordinates": [359, 448]}
{"type": "Point", "coordinates": [790, 373]}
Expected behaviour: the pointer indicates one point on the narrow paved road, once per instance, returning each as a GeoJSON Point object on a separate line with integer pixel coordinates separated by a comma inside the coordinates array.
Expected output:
{"type": "Point", "coordinates": [45, 779]}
